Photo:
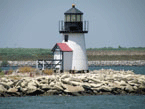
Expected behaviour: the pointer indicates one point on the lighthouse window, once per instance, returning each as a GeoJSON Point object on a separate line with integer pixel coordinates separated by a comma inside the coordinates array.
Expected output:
{"type": "Point", "coordinates": [68, 18]}
{"type": "Point", "coordinates": [81, 17]}
{"type": "Point", "coordinates": [66, 38]}
{"type": "Point", "coordinates": [78, 18]}
{"type": "Point", "coordinates": [73, 18]}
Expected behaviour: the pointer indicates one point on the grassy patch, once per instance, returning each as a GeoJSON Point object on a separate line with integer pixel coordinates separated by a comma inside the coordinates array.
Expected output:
{"type": "Point", "coordinates": [16, 54]}
{"type": "Point", "coordinates": [48, 71]}
{"type": "Point", "coordinates": [15, 77]}
{"type": "Point", "coordinates": [2, 73]}
{"type": "Point", "coordinates": [26, 69]}
{"type": "Point", "coordinates": [33, 54]}
{"type": "Point", "coordinates": [119, 49]}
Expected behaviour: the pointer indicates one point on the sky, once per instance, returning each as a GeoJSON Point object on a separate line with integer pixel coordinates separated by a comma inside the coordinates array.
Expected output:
{"type": "Point", "coordinates": [34, 23]}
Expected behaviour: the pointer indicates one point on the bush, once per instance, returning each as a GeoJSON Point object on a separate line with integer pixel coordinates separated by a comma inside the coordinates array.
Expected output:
{"type": "Point", "coordinates": [2, 73]}
{"type": "Point", "coordinates": [4, 63]}
{"type": "Point", "coordinates": [26, 69]}
{"type": "Point", "coordinates": [15, 77]}
{"type": "Point", "coordinates": [10, 71]}
{"type": "Point", "coordinates": [0, 69]}
{"type": "Point", "coordinates": [48, 71]}
{"type": "Point", "coordinates": [38, 72]}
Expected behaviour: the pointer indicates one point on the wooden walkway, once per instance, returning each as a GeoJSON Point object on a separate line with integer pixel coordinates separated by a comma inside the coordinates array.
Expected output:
{"type": "Point", "coordinates": [48, 64]}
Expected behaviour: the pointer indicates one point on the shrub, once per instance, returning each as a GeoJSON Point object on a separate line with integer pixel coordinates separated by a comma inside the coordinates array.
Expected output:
{"type": "Point", "coordinates": [48, 71]}
{"type": "Point", "coordinates": [10, 71]}
{"type": "Point", "coordinates": [0, 69]}
{"type": "Point", "coordinates": [38, 72]}
{"type": "Point", "coordinates": [2, 73]}
{"type": "Point", "coordinates": [26, 69]}
{"type": "Point", "coordinates": [4, 63]}
{"type": "Point", "coordinates": [6, 72]}
{"type": "Point", "coordinates": [15, 77]}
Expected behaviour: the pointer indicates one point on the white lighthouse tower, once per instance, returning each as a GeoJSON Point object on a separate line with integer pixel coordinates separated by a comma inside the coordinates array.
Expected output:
{"type": "Point", "coordinates": [72, 50]}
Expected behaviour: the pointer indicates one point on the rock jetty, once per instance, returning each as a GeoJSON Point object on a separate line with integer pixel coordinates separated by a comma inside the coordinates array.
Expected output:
{"type": "Point", "coordinates": [95, 82]}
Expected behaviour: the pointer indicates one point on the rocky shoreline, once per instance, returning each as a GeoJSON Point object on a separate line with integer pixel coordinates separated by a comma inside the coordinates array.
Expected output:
{"type": "Point", "coordinates": [90, 63]}
{"type": "Point", "coordinates": [95, 82]}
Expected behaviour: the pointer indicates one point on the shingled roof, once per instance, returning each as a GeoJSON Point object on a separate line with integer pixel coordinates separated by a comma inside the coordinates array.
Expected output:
{"type": "Point", "coordinates": [73, 10]}
{"type": "Point", "coordinates": [63, 47]}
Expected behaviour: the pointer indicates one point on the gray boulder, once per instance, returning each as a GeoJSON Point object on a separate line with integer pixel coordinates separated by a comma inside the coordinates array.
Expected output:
{"type": "Point", "coordinates": [123, 83]}
{"type": "Point", "coordinates": [2, 89]}
{"type": "Point", "coordinates": [12, 90]}
{"type": "Point", "coordinates": [24, 84]}
{"type": "Point", "coordinates": [69, 88]}
{"type": "Point", "coordinates": [51, 92]}
{"type": "Point", "coordinates": [129, 88]}
{"type": "Point", "coordinates": [106, 89]}
{"type": "Point", "coordinates": [65, 76]}
{"type": "Point", "coordinates": [5, 85]}
{"type": "Point", "coordinates": [45, 87]}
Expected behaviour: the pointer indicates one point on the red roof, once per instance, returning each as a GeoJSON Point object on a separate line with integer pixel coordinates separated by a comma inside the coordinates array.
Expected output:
{"type": "Point", "coordinates": [63, 47]}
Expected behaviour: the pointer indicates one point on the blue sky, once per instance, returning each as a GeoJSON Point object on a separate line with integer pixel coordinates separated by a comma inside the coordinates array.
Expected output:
{"type": "Point", "coordinates": [34, 23]}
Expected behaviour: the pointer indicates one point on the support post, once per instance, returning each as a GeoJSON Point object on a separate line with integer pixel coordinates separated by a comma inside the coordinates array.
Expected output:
{"type": "Point", "coordinates": [62, 62]}
{"type": "Point", "coordinates": [43, 65]}
{"type": "Point", "coordinates": [37, 64]}
{"type": "Point", "coordinates": [88, 25]}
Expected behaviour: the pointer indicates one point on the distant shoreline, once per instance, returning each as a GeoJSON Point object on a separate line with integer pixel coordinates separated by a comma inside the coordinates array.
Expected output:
{"type": "Point", "coordinates": [90, 63]}
{"type": "Point", "coordinates": [93, 54]}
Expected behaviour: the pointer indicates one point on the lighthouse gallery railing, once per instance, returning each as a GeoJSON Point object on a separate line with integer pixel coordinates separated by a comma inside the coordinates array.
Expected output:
{"type": "Point", "coordinates": [85, 26]}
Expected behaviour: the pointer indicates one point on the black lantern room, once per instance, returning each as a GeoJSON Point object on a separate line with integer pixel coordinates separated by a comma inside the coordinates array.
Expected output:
{"type": "Point", "coordinates": [73, 22]}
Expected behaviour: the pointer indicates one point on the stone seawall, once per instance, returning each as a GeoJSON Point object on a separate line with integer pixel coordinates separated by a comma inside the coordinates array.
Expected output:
{"type": "Point", "coordinates": [90, 63]}
{"type": "Point", "coordinates": [117, 63]}
{"type": "Point", "coordinates": [96, 82]}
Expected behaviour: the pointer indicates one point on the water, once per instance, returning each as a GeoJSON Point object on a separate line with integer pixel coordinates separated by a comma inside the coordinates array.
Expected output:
{"type": "Point", "coordinates": [136, 69]}
{"type": "Point", "coordinates": [70, 102]}
{"type": "Point", "coordinates": [79, 102]}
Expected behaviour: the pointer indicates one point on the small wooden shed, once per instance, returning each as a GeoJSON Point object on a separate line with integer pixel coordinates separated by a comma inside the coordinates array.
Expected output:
{"type": "Point", "coordinates": [63, 55]}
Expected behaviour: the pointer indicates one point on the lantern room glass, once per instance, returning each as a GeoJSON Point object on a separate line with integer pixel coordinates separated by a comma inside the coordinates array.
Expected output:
{"type": "Point", "coordinates": [67, 18]}
{"type": "Point", "coordinates": [78, 18]}
{"type": "Point", "coordinates": [73, 18]}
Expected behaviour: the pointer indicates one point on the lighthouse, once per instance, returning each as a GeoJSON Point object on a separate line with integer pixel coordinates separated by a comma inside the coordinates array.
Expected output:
{"type": "Point", "coordinates": [71, 52]}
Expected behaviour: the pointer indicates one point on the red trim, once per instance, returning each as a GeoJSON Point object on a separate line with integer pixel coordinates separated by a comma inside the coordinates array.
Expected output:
{"type": "Point", "coordinates": [64, 47]}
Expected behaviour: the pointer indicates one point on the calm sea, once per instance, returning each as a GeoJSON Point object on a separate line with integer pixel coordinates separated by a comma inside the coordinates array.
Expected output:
{"type": "Point", "coordinates": [70, 102]}
{"type": "Point", "coordinates": [136, 69]}
{"type": "Point", "coordinates": [80, 102]}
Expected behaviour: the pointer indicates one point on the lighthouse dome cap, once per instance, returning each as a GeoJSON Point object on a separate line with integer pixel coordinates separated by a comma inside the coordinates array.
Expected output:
{"type": "Point", "coordinates": [73, 10]}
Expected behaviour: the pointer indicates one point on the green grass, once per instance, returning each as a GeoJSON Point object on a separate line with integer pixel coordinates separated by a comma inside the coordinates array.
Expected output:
{"type": "Point", "coordinates": [32, 54]}
{"type": "Point", "coordinates": [115, 57]}
{"type": "Point", "coordinates": [119, 49]}
{"type": "Point", "coordinates": [2, 74]}
{"type": "Point", "coordinates": [24, 53]}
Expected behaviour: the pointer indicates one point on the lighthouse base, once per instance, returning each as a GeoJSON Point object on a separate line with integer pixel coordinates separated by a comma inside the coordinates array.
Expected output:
{"type": "Point", "coordinates": [79, 71]}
